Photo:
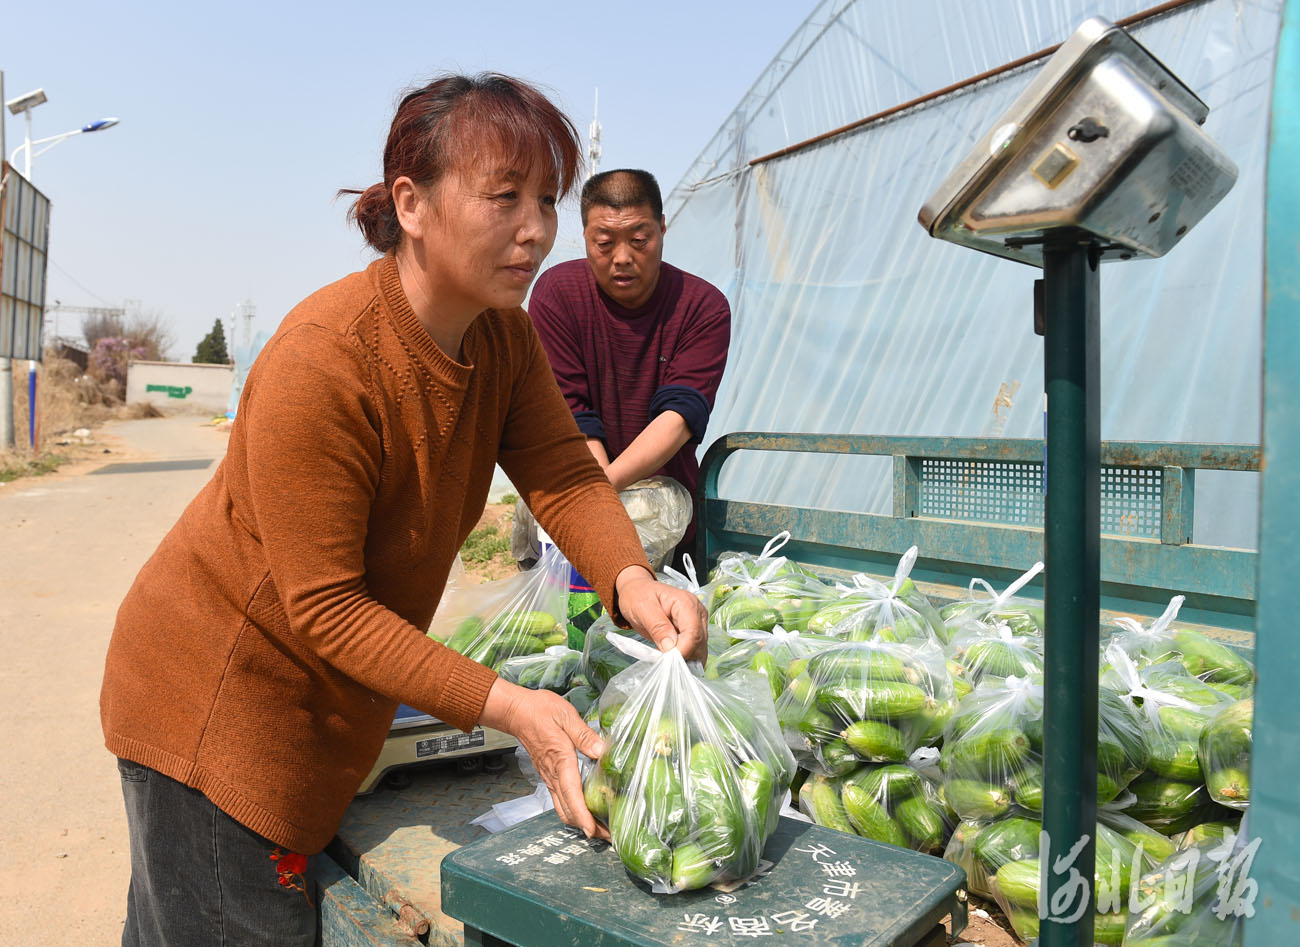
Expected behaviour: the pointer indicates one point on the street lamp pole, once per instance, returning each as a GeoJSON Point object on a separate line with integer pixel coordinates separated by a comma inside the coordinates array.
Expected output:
{"type": "Point", "coordinates": [23, 105]}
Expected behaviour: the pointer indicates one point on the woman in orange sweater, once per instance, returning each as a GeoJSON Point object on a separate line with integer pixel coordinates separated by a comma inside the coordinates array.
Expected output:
{"type": "Point", "coordinates": [258, 658]}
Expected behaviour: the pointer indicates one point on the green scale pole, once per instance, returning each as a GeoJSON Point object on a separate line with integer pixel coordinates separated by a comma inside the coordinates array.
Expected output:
{"type": "Point", "coordinates": [1071, 587]}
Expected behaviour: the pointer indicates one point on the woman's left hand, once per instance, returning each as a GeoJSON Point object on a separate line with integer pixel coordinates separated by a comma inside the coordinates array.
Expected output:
{"type": "Point", "coordinates": [668, 616]}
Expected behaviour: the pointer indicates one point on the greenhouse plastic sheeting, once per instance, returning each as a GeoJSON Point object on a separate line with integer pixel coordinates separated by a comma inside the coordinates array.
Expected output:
{"type": "Point", "coordinates": [849, 319]}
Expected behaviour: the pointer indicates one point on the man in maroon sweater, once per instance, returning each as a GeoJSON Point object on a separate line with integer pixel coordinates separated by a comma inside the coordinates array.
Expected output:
{"type": "Point", "coordinates": [637, 345]}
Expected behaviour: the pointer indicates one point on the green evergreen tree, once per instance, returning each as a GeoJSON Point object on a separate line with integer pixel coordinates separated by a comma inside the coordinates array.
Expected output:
{"type": "Point", "coordinates": [212, 350]}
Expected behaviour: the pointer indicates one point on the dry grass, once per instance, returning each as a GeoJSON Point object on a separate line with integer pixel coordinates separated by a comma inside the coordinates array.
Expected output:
{"type": "Point", "coordinates": [66, 401]}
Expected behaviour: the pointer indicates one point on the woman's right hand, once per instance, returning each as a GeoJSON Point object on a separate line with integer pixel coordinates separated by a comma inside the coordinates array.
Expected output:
{"type": "Point", "coordinates": [548, 728]}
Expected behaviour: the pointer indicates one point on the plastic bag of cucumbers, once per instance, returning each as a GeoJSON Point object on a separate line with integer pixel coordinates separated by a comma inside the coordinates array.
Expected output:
{"type": "Point", "coordinates": [1175, 708]}
{"type": "Point", "coordinates": [688, 580]}
{"type": "Point", "coordinates": [1215, 830]}
{"type": "Point", "coordinates": [871, 610]}
{"type": "Point", "coordinates": [602, 660]}
{"type": "Point", "coordinates": [895, 803]}
{"type": "Point", "coordinates": [759, 593]}
{"type": "Point", "coordinates": [693, 773]}
{"type": "Point", "coordinates": [992, 756]}
{"type": "Point", "coordinates": [523, 614]}
{"type": "Point", "coordinates": [865, 702]}
{"type": "Point", "coordinates": [1204, 658]}
{"type": "Point", "coordinates": [1003, 856]}
{"type": "Point", "coordinates": [1199, 897]}
{"type": "Point", "coordinates": [1023, 616]}
{"type": "Point", "coordinates": [552, 670]}
{"type": "Point", "coordinates": [981, 649]}
{"type": "Point", "coordinates": [778, 655]}
{"type": "Point", "coordinates": [1224, 752]}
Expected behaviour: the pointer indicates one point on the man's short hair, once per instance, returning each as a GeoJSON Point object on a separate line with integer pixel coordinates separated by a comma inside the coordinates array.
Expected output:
{"type": "Point", "coordinates": [624, 187]}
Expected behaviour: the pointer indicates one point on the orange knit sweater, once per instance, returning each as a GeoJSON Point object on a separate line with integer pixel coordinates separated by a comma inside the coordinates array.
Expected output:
{"type": "Point", "coordinates": [264, 647]}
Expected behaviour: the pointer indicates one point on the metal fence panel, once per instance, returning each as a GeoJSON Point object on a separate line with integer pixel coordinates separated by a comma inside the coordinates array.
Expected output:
{"type": "Point", "coordinates": [26, 215]}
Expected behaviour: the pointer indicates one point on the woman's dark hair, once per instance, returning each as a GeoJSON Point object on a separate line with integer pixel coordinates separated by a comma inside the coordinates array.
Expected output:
{"type": "Point", "coordinates": [454, 120]}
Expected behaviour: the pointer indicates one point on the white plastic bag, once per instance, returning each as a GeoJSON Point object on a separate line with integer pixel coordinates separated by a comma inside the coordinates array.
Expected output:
{"type": "Point", "coordinates": [870, 610]}
{"type": "Point", "coordinates": [521, 614]}
{"type": "Point", "coordinates": [1024, 616]}
{"type": "Point", "coordinates": [693, 772]}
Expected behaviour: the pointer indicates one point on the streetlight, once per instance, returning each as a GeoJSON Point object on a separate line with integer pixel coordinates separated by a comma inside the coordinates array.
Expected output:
{"type": "Point", "coordinates": [23, 106]}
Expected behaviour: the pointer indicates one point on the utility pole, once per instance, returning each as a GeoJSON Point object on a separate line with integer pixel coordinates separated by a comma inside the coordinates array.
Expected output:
{"type": "Point", "coordinates": [6, 366]}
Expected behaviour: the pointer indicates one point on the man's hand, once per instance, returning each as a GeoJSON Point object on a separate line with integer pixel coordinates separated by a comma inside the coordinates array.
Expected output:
{"type": "Point", "coordinates": [670, 617]}
{"type": "Point", "coordinates": [549, 729]}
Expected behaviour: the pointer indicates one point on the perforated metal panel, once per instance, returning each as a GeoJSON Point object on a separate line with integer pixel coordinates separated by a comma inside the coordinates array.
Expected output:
{"type": "Point", "coordinates": [1011, 493]}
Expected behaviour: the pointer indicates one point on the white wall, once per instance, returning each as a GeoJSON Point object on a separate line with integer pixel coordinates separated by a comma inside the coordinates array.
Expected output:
{"type": "Point", "coordinates": [177, 386]}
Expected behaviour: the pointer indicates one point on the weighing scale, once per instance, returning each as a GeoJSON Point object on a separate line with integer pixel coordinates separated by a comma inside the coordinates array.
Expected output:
{"type": "Point", "coordinates": [416, 738]}
{"type": "Point", "coordinates": [1100, 158]}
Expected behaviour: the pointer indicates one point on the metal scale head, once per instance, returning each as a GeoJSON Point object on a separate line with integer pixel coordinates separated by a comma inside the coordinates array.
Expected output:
{"type": "Point", "coordinates": [1104, 145]}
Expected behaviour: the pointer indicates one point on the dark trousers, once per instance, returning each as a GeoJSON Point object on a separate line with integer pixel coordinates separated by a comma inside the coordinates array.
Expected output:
{"type": "Point", "coordinates": [200, 878]}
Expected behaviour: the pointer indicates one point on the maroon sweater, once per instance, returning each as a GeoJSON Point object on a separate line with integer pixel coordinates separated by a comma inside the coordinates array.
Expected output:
{"type": "Point", "coordinates": [619, 368]}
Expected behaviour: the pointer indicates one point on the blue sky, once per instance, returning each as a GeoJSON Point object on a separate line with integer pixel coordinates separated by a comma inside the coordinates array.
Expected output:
{"type": "Point", "coordinates": [239, 121]}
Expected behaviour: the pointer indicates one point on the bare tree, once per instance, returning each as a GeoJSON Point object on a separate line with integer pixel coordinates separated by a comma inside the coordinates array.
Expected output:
{"type": "Point", "coordinates": [102, 325]}
{"type": "Point", "coordinates": [147, 331]}
{"type": "Point", "coordinates": [150, 331]}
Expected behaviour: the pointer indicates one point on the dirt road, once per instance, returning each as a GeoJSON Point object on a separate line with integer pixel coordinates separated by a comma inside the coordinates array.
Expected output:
{"type": "Point", "coordinates": [72, 543]}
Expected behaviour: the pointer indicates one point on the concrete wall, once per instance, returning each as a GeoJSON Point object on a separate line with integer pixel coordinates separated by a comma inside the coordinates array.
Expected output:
{"type": "Point", "coordinates": [173, 386]}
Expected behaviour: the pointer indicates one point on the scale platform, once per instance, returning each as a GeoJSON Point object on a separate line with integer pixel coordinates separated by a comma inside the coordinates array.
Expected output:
{"type": "Point", "coordinates": [416, 739]}
{"type": "Point", "coordinates": [542, 884]}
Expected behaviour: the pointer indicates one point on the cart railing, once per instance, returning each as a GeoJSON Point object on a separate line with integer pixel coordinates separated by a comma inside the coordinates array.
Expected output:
{"type": "Point", "coordinates": [973, 507]}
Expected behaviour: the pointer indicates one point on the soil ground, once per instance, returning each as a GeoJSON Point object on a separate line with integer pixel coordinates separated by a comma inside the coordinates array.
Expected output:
{"type": "Point", "coordinates": [73, 541]}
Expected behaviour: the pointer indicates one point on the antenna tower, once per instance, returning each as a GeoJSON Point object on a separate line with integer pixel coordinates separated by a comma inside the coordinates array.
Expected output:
{"type": "Point", "coordinates": [593, 138]}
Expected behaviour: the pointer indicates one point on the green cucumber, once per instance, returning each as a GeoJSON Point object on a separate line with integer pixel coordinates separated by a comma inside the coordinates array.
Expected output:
{"type": "Point", "coordinates": [642, 854]}
{"type": "Point", "coordinates": [837, 757]}
{"type": "Point", "coordinates": [466, 633]}
{"type": "Point", "coordinates": [1162, 800]}
{"type": "Point", "coordinates": [994, 754]}
{"type": "Point", "coordinates": [869, 818]}
{"type": "Point", "coordinates": [889, 784]}
{"type": "Point", "coordinates": [1155, 847]}
{"type": "Point", "coordinates": [764, 663]}
{"type": "Point", "coordinates": [993, 657]}
{"type": "Point", "coordinates": [511, 644]}
{"type": "Point", "coordinates": [1211, 661]}
{"type": "Point", "coordinates": [1018, 882]}
{"type": "Point", "coordinates": [875, 740]}
{"type": "Point", "coordinates": [1175, 759]}
{"type": "Point", "coordinates": [875, 700]}
{"type": "Point", "coordinates": [1007, 840]}
{"type": "Point", "coordinates": [975, 799]}
{"type": "Point", "coordinates": [665, 812]}
{"type": "Point", "coordinates": [1208, 831]}
{"type": "Point", "coordinates": [825, 805]}
{"type": "Point", "coordinates": [598, 793]}
{"type": "Point", "coordinates": [711, 787]}
{"type": "Point", "coordinates": [1028, 788]}
{"type": "Point", "coordinates": [922, 822]}
{"type": "Point", "coordinates": [754, 613]}
{"type": "Point", "coordinates": [535, 623]}
{"type": "Point", "coordinates": [757, 783]}
{"type": "Point", "coordinates": [858, 664]}
{"type": "Point", "coordinates": [1229, 786]}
